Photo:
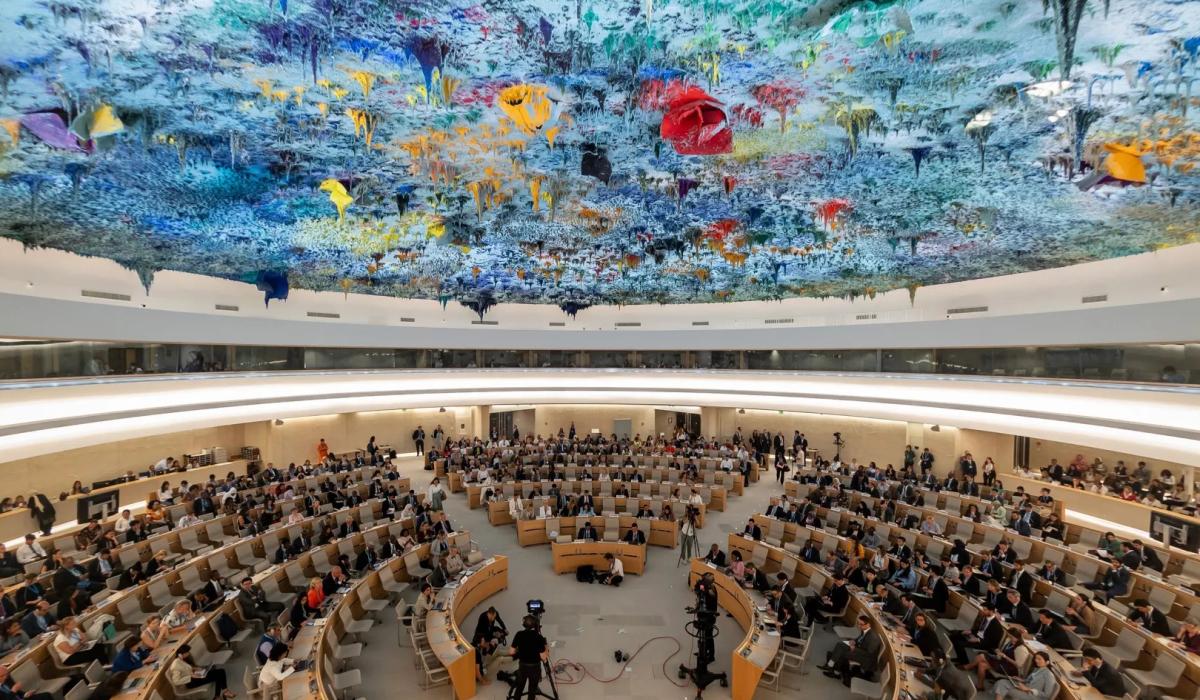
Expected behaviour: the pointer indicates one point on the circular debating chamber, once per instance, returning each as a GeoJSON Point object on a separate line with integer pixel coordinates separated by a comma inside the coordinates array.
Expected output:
{"type": "Point", "coordinates": [515, 350]}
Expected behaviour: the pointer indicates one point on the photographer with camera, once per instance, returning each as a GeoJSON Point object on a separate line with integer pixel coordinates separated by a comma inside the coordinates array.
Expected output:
{"type": "Point", "coordinates": [530, 650]}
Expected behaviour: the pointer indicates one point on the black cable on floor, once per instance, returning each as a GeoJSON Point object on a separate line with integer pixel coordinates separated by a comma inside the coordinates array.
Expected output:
{"type": "Point", "coordinates": [569, 672]}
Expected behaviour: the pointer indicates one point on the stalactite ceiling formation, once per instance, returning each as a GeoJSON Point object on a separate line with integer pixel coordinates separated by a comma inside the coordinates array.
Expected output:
{"type": "Point", "coordinates": [593, 152]}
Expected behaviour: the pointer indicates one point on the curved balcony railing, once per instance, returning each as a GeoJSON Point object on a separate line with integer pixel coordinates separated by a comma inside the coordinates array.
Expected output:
{"type": "Point", "coordinates": [1167, 363]}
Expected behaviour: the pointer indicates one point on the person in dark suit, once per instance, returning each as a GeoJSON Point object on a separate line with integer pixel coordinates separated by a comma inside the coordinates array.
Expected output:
{"type": "Point", "coordinates": [924, 636]}
{"type": "Point", "coordinates": [715, 556]}
{"type": "Point", "coordinates": [1115, 582]}
{"type": "Point", "coordinates": [1051, 572]}
{"type": "Point", "coordinates": [756, 579]}
{"type": "Point", "coordinates": [333, 580]}
{"type": "Point", "coordinates": [985, 634]}
{"type": "Point", "coordinates": [366, 559]}
{"type": "Point", "coordinates": [1050, 632]}
{"type": "Point", "coordinates": [1148, 557]}
{"type": "Point", "coordinates": [1148, 617]}
{"type": "Point", "coordinates": [254, 603]}
{"type": "Point", "coordinates": [587, 532]}
{"type": "Point", "coordinates": [634, 535]}
{"type": "Point", "coordinates": [859, 656]}
{"type": "Point", "coordinates": [1019, 612]}
{"type": "Point", "coordinates": [833, 601]}
{"type": "Point", "coordinates": [752, 531]}
{"type": "Point", "coordinates": [301, 544]}
{"type": "Point", "coordinates": [935, 594]}
{"type": "Point", "coordinates": [1101, 675]}
{"type": "Point", "coordinates": [969, 581]}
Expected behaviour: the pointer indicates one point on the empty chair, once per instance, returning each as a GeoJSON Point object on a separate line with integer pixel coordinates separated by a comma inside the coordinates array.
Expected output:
{"type": "Point", "coordinates": [130, 610]}
{"type": "Point", "coordinates": [215, 531]}
{"type": "Point", "coordinates": [816, 584]}
{"type": "Point", "coordinates": [1085, 572]}
{"type": "Point", "coordinates": [353, 626]}
{"type": "Point", "coordinates": [963, 621]}
{"type": "Point", "coordinates": [247, 557]}
{"type": "Point", "coordinates": [1022, 547]}
{"type": "Point", "coordinates": [1088, 539]}
{"type": "Point", "coordinates": [394, 588]}
{"type": "Point", "coordinates": [190, 541]}
{"type": "Point", "coordinates": [608, 506]}
{"type": "Point", "coordinates": [296, 576]}
{"type": "Point", "coordinates": [1162, 599]}
{"type": "Point", "coordinates": [372, 606]}
{"type": "Point", "coordinates": [272, 592]}
{"type": "Point", "coordinates": [412, 564]}
{"type": "Point", "coordinates": [775, 532]}
{"type": "Point", "coordinates": [241, 635]}
{"type": "Point", "coordinates": [1165, 675]}
{"type": "Point", "coordinates": [221, 566]}
{"type": "Point", "coordinates": [759, 556]}
{"type": "Point", "coordinates": [189, 578]}
{"type": "Point", "coordinates": [1054, 554]}
{"type": "Point", "coordinates": [872, 689]}
{"type": "Point", "coordinates": [160, 594]}
{"type": "Point", "coordinates": [612, 529]}
{"type": "Point", "coordinates": [1127, 647]}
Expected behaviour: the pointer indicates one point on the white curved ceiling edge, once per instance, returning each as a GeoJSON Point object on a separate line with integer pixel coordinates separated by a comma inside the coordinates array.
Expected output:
{"type": "Point", "coordinates": [1155, 424]}
{"type": "Point", "coordinates": [1149, 298]}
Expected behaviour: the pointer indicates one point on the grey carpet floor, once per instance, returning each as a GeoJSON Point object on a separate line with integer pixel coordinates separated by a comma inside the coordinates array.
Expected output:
{"type": "Point", "coordinates": [587, 623]}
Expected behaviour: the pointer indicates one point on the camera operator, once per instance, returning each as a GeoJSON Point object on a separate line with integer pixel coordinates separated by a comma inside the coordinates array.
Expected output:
{"type": "Point", "coordinates": [687, 532]}
{"type": "Point", "coordinates": [530, 650]}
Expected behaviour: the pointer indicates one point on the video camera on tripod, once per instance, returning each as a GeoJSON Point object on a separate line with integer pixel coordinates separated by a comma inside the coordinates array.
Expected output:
{"type": "Point", "coordinates": [703, 628]}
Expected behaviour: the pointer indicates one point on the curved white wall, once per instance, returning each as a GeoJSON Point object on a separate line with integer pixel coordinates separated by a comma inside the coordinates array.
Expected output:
{"type": "Point", "coordinates": [1155, 422]}
{"type": "Point", "coordinates": [1153, 297]}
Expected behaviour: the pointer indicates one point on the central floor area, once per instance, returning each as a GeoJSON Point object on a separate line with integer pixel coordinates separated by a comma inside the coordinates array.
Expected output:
{"type": "Point", "coordinates": [587, 623]}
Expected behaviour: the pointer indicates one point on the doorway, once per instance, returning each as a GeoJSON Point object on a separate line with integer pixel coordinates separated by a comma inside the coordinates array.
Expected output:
{"type": "Point", "coordinates": [623, 427]}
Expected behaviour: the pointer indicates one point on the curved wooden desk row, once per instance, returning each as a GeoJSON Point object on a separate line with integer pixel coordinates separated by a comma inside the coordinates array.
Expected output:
{"type": "Point", "coordinates": [949, 501]}
{"type": "Point", "coordinates": [1128, 513]}
{"type": "Point", "coordinates": [1114, 623]}
{"type": "Point", "coordinates": [180, 581]}
{"type": "Point", "coordinates": [498, 512]}
{"type": "Point", "coordinates": [451, 647]}
{"type": "Point", "coordinates": [661, 461]}
{"type": "Point", "coordinates": [569, 556]}
{"type": "Point", "coordinates": [1144, 580]}
{"type": "Point", "coordinates": [65, 540]}
{"type": "Point", "coordinates": [199, 536]}
{"type": "Point", "coordinates": [713, 496]}
{"type": "Point", "coordinates": [317, 639]}
{"type": "Point", "coordinates": [17, 523]}
{"type": "Point", "coordinates": [896, 645]}
{"type": "Point", "coordinates": [758, 647]}
{"type": "Point", "coordinates": [652, 478]}
{"type": "Point", "coordinates": [661, 533]}
{"type": "Point", "coordinates": [1175, 560]}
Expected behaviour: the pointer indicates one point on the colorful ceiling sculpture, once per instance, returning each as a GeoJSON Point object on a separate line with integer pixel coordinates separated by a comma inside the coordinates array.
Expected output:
{"type": "Point", "coordinates": [599, 152]}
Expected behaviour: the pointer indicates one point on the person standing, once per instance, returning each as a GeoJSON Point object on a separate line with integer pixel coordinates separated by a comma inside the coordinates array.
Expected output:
{"type": "Point", "coordinates": [418, 437]}
{"type": "Point", "coordinates": [322, 450]}
{"type": "Point", "coordinates": [530, 650]}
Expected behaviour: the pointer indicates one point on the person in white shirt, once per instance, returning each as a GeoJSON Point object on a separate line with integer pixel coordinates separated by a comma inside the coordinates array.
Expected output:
{"type": "Point", "coordinates": [162, 465]}
{"type": "Point", "coordinates": [276, 669]}
{"type": "Point", "coordinates": [436, 494]}
{"type": "Point", "coordinates": [727, 465]}
{"type": "Point", "coordinates": [188, 520]}
{"type": "Point", "coordinates": [545, 511]}
{"type": "Point", "coordinates": [166, 494]}
{"type": "Point", "coordinates": [616, 571]}
{"type": "Point", "coordinates": [696, 499]}
{"type": "Point", "coordinates": [296, 517]}
{"type": "Point", "coordinates": [123, 522]}
{"type": "Point", "coordinates": [30, 551]}
{"type": "Point", "coordinates": [516, 504]}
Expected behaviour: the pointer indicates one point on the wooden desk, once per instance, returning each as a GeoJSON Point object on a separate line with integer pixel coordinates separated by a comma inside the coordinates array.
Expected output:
{"type": "Point", "coordinates": [660, 533]}
{"type": "Point", "coordinates": [758, 648]}
{"type": "Point", "coordinates": [452, 648]}
{"type": "Point", "coordinates": [1127, 513]}
{"type": "Point", "coordinates": [498, 511]}
{"type": "Point", "coordinates": [642, 491]}
{"type": "Point", "coordinates": [572, 555]}
{"type": "Point", "coordinates": [896, 644]}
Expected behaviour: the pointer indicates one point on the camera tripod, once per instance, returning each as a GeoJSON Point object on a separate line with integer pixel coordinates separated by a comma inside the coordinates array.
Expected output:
{"type": "Point", "coordinates": [704, 630]}
{"type": "Point", "coordinates": [689, 546]}
{"type": "Point", "coordinates": [514, 689]}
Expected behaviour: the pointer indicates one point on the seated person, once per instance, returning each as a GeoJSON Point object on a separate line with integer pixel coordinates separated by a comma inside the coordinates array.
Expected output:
{"type": "Point", "coordinates": [586, 532]}
{"type": "Point", "coordinates": [615, 573]}
{"type": "Point", "coordinates": [715, 556]}
{"type": "Point", "coordinates": [634, 535]}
